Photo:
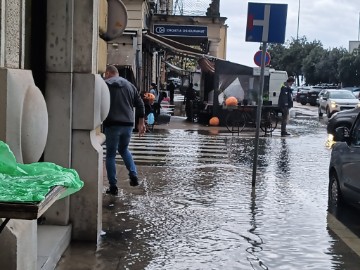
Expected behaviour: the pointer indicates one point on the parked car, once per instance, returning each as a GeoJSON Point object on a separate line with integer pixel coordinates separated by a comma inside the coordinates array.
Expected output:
{"type": "Point", "coordinates": [342, 119]}
{"type": "Point", "coordinates": [344, 181]}
{"type": "Point", "coordinates": [337, 100]}
{"type": "Point", "coordinates": [313, 94]}
{"type": "Point", "coordinates": [295, 90]}
{"type": "Point", "coordinates": [354, 90]}
{"type": "Point", "coordinates": [302, 95]}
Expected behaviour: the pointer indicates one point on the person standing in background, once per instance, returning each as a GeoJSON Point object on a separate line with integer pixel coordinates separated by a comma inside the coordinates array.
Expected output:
{"type": "Point", "coordinates": [156, 106]}
{"type": "Point", "coordinates": [285, 102]}
{"type": "Point", "coordinates": [171, 89]}
{"type": "Point", "coordinates": [119, 125]}
{"type": "Point", "coordinates": [190, 95]}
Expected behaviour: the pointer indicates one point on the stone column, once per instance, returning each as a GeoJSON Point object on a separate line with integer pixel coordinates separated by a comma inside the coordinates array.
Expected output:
{"type": "Point", "coordinates": [12, 17]}
{"type": "Point", "coordinates": [214, 47]}
{"type": "Point", "coordinates": [75, 99]}
{"type": "Point", "coordinates": [58, 95]}
{"type": "Point", "coordinates": [90, 107]}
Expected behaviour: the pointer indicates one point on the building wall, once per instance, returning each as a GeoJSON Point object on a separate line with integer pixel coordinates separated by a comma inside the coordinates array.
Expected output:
{"type": "Point", "coordinates": [12, 31]}
{"type": "Point", "coordinates": [126, 50]}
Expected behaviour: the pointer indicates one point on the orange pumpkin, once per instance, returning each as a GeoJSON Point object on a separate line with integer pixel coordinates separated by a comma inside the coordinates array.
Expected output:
{"type": "Point", "coordinates": [214, 121]}
{"type": "Point", "coordinates": [231, 101]}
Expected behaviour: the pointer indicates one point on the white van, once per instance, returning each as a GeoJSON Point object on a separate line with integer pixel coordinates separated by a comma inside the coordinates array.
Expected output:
{"type": "Point", "coordinates": [276, 80]}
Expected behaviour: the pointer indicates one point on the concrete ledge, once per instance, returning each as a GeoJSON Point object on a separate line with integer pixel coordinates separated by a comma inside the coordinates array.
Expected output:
{"type": "Point", "coordinates": [52, 243]}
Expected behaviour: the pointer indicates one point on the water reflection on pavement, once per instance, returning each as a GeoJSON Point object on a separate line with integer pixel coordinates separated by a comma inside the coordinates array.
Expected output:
{"type": "Point", "coordinates": [208, 216]}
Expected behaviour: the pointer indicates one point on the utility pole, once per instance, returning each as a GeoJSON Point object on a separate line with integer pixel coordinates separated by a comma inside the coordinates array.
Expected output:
{"type": "Point", "coordinates": [359, 28]}
{"type": "Point", "coordinates": [297, 32]}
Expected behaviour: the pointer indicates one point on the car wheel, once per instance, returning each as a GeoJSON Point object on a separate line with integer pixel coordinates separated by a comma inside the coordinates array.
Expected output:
{"type": "Point", "coordinates": [303, 103]}
{"type": "Point", "coordinates": [335, 198]}
{"type": "Point", "coordinates": [328, 113]}
{"type": "Point", "coordinates": [320, 112]}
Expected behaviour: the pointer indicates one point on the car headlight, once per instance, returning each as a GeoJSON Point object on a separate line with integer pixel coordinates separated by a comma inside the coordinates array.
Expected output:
{"type": "Point", "coordinates": [358, 104]}
{"type": "Point", "coordinates": [333, 104]}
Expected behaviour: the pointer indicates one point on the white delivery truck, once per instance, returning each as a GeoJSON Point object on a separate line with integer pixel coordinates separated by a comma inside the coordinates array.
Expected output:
{"type": "Point", "coordinates": [276, 80]}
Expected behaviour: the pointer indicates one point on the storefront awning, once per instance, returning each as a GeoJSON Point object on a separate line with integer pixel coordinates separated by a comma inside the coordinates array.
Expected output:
{"type": "Point", "coordinates": [177, 69]}
{"type": "Point", "coordinates": [175, 47]}
{"type": "Point", "coordinates": [206, 65]}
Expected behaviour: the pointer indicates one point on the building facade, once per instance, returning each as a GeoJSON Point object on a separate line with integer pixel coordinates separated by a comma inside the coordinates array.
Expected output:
{"type": "Point", "coordinates": [53, 98]}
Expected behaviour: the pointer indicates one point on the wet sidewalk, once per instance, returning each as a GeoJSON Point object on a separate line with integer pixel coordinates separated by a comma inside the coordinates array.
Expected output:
{"type": "Point", "coordinates": [118, 225]}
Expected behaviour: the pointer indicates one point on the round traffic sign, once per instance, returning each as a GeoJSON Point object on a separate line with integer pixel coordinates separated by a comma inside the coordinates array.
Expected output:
{"type": "Point", "coordinates": [257, 58]}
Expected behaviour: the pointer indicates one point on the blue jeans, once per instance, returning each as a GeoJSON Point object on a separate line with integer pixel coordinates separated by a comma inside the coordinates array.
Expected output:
{"type": "Point", "coordinates": [118, 139]}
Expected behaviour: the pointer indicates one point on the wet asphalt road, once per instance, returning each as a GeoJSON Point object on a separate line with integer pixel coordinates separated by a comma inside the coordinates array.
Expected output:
{"type": "Point", "coordinates": [196, 208]}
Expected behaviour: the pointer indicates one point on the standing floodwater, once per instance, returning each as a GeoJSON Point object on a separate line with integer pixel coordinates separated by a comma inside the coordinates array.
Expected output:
{"type": "Point", "coordinates": [196, 208]}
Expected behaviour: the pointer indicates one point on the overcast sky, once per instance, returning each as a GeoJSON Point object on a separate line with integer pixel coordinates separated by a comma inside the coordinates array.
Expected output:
{"type": "Point", "coordinates": [333, 22]}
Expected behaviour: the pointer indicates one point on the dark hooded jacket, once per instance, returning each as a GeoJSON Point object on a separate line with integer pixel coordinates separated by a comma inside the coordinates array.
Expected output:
{"type": "Point", "coordinates": [285, 97]}
{"type": "Point", "coordinates": [123, 98]}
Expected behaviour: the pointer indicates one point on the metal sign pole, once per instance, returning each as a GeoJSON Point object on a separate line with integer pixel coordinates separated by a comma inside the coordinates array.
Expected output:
{"type": "Point", "coordinates": [258, 113]}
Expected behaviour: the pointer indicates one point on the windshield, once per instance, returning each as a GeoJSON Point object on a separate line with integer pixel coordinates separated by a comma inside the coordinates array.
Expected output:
{"type": "Point", "coordinates": [342, 95]}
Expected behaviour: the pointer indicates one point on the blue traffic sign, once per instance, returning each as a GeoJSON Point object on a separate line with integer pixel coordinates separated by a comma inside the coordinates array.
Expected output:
{"type": "Point", "coordinates": [266, 22]}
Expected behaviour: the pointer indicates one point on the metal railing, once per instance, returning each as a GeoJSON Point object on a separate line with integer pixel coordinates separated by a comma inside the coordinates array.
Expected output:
{"type": "Point", "coordinates": [183, 7]}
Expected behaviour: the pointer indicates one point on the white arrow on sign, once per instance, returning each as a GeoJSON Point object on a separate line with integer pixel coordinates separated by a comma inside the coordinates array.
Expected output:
{"type": "Point", "coordinates": [264, 23]}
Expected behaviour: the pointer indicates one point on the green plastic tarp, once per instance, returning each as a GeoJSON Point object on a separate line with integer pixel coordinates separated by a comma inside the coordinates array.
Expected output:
{"type": "Point", "coordinates": [25, 183]}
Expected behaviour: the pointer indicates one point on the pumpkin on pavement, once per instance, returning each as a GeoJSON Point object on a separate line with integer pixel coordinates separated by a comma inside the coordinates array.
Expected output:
{"type": "Point", "coordinates": [214, 121]}
{"type": "Point", "coordinates": [231, 101]}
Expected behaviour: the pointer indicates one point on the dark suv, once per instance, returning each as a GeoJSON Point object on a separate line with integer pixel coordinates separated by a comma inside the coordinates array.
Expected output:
{"type": "Point", "coordinates": [342, 119]}
{"type": "Point", "coordinates": [313, 94]}
{"type": "Point", "coordinates": [302, 95]}
{"type": "Point", "coordinates": [344, 181]}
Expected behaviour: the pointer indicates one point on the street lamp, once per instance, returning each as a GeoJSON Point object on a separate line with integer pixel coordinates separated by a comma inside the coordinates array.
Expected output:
{"type": "Point", "coordinates": [359, 28]}
{"type": "Point", "coordinates": [297, 32]}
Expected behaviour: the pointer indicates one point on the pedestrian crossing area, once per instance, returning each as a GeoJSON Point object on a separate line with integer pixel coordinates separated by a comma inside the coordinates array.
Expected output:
{"type": "Point", "coordinates": [177, 148]}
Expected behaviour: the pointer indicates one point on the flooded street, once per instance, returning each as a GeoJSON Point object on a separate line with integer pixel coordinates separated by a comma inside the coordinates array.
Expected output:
{"type": "Point", "coordinates": [196, 208]}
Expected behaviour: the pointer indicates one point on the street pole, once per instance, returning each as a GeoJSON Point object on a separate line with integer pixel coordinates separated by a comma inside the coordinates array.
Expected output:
{"type": "Point", "coordinates": [258, 112]}
{"type": "Point", "coordinates": [298, 22]}
{"type": "Point", "coordinates": [359, 28]}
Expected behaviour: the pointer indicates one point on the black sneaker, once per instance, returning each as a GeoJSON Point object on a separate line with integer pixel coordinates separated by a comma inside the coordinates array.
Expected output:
{"type": "Point", "coordinates": [113, 190]}
{"type": "Point", "coordinates": [134, 181]}
{"type": "Point", "coordinates": [285, 134]}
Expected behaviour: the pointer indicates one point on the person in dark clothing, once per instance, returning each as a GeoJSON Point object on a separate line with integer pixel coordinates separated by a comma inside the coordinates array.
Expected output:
{"type": "Point", "coordinates": [190, 96]}
{"type": "Point", "coordinates": [162, 95]}
{"type": "Point", "coordinates": [171, 89]}
{"type": "Point", "coordinates": [119, 124]}
{"type": "Point", "coordinates": [156, 106]}
{"type": "Point", "coordinates": [285, 102]}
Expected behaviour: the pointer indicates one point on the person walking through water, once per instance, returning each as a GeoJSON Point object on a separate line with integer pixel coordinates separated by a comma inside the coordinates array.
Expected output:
{"type": "Point", "coordinates": [285, 102]}
{"type": "Point", "coordinates": [119, 124]}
